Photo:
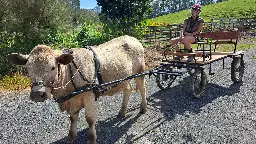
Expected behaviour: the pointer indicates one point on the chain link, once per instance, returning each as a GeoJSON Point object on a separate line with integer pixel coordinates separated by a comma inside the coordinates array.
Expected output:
{"type": "Point", "coordinates": [62, 87]}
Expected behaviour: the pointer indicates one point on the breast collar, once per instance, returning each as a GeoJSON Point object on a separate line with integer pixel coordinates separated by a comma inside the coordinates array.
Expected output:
{"type": "Point", "coordinates": [97, 74]}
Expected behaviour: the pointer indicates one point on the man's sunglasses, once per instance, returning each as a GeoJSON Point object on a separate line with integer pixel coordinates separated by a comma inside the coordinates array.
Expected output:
{"type": "Point", "coordinates": [195, 9]}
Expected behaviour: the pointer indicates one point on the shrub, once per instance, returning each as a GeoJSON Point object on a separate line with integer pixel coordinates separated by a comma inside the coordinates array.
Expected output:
{"type": "Point", "coordinates": [15, 82]}
{"type": "Point", "coordinates": [90, 34]}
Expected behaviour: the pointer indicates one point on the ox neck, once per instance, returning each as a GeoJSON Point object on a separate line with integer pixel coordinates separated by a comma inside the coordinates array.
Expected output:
{"type": "Point", "coordinates": [62, 85]}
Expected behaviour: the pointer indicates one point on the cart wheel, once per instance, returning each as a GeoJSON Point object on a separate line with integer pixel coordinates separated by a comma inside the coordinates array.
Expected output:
{"type": "Point", "coordinates": [164, 81]}
{"type": "Point", "coordinates": [191, 71]}
{"type": "Point", "coordinates": [237, 69]}
{"type": "Point", "coordinates": [199, 82]}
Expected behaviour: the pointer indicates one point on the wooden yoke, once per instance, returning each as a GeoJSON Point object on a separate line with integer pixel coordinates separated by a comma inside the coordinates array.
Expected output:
{"type": "Point", "coordinates": [222, 37]}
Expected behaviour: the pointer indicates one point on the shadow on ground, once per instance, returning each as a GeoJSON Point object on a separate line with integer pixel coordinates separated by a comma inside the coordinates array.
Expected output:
{"type": "Point", "coordinates": [170, 102]}
{"type": "Point", "coordinates": [178, 99]}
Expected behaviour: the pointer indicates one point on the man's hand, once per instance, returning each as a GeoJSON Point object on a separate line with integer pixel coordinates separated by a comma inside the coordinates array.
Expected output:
{"type": "Point", "coordinates": [188, 34]}
{"type": "Point", "coordinates": [195, 33]}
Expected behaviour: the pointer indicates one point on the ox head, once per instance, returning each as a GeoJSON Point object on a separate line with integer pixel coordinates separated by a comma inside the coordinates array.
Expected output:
{"type": "Point", "coordinates": [42, 65]}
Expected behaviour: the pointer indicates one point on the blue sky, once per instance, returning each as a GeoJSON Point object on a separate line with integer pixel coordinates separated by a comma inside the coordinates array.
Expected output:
{"type": "Point", "coordinates": [88, 4]}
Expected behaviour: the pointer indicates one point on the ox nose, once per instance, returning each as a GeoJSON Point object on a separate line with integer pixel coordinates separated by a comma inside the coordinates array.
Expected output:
{"type": "Point", "coordinates": [38, 96]}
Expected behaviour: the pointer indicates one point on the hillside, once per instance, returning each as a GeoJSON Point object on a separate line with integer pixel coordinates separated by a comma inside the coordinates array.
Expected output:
{"type": "Point", "coordinates": [227, 9]}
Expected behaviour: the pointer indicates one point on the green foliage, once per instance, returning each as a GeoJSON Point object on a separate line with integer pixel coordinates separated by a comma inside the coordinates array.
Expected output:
{"type": "Point", "coordinates": [123, 16]}
{"type": "Point", "coordinates": [24, 24]}
{"type": "Point", "coordinates": [90, 34]}
{"type": "Point", "coordinates": [86, 35]}
{"type": "Point", "coordinates": [87, 15]}
{"type": "Point", "coordinates": [226, 9]}
{"type": "Point", "coordinates": [31, 18]}
{"type": "Point", "coordinates": [64, 40]}
{"type": "Point", "coordinates": [10, 43]}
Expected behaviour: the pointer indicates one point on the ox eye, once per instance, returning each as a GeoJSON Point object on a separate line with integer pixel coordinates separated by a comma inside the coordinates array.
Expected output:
{"type": "Point", "coordinates": [53, 68]}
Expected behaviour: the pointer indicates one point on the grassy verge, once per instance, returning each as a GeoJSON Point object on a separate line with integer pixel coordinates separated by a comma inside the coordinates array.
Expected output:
{"type": "Point", "coordinates": [15, 82]}
{"type": "Point", "coordinates": [240, 47]}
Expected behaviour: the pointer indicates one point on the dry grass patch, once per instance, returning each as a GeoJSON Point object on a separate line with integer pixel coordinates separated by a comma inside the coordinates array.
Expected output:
{"type": "Point", "coordinates": [14, 82]}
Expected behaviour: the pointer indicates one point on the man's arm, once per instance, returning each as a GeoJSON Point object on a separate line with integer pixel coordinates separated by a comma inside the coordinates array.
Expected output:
{"type": "Point", "coordinates": [199, 29]}
{"type": "Point", "coordinates": [183, 30]}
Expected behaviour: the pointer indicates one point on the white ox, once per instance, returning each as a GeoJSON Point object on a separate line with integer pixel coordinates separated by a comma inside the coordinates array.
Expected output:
{"type": "Point", "coordinates": [49, 72]}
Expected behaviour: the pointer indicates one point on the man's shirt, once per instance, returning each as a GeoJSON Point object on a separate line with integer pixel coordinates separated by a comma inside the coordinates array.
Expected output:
{"type": "Point", "coordinates": [192, 25]}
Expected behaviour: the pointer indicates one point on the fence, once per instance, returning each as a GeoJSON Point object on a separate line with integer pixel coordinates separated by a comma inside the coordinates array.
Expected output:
{"type": "Point", "coordinates": [164, 33]}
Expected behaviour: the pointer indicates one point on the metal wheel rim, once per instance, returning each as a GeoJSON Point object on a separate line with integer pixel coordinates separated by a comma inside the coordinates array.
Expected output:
{"type": "Point", "coordinates": [198, 89]}
{"type": "Point", "coordinates": [166, 81]}
{"type": "Point", "coordinates": [238, 72]}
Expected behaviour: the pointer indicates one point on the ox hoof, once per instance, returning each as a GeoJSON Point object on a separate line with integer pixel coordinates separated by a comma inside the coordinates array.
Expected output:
{"type": "Point", "coordinates": [69, 141]}
{"type": "Point", "coordinates": [121, 114]}
{"type": "Point", "coordinates": [71, 137]}
{"type": "Point", "coordinates": [143, 110]}
{"type": "Point", "coordinates": [91, 142]}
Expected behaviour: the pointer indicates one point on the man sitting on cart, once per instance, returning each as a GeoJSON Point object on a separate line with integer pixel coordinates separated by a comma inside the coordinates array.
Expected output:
{"type": "Point", "coordinates": [190, 31]}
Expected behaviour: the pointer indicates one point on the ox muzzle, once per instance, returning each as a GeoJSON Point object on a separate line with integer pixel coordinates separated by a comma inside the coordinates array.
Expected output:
{"type": "Point", "coordinates": [38, 91]}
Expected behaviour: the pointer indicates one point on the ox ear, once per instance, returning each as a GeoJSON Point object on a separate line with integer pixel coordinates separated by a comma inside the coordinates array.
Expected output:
{"type": "Point", "coordinates": [17, 59]}
{"type": "Point", "coordinates": [64, 59]}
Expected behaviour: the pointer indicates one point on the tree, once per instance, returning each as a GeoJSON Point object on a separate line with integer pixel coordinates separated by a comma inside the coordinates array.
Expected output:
{"type": "Point", "coordinates": [161, 7]}
{"type": "Point", "coordinates": [220, 1]}
{"type": "Point", "coordinates": [88, 15]}
{"type": "Point", "coordinates": [3, 13]}
{"type": "Point", "coordinates": [31, 19]}
{"type": "Point", "coordinates": [97, 9]}
{"type": "Point", "coordinates": [122, 16]}
{"type": "Point", "coordinates": [206, 2]}
{"type": "Point", "coordinates": [75, 6]}
{"type": "Point", "coordinates": [26, 23]}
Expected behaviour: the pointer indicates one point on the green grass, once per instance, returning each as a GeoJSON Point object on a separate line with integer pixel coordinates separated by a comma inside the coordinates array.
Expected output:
{"type": "Point", "coordinates": [241, 46]}
{"type": "Point", "coordinates": [254, 57]}
{"type": "Point", "coordinates": [226, 9]}
{"type": "Point", "coordinates": [230, 48]}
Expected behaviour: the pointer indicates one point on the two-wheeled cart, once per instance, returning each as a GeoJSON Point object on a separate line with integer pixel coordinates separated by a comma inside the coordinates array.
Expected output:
{"type": "Point", "coordinates": [202, 56]}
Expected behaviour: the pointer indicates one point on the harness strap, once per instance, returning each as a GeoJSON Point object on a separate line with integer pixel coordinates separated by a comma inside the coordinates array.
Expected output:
{"type": "Point", "coordinates": [71, 75]}
{"type": "Point", "coordinates": [83, 77]}
{"type": "Point", "coordinates": [96, 65]}
{"type": "Point", "coordinates": [97, 73]}
{"type": "Point", "coordinates": [97, 76]}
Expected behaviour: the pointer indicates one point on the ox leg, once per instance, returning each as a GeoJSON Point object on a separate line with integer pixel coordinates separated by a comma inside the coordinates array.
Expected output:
{"type": "Point", "coordinates": [140, 87]}
{"type": "Point", "coordinates": [73, 127]}
{"type": "Point", "coordinates": [90, 115]}
{"type": "Point", "coordinates": [126, 94]}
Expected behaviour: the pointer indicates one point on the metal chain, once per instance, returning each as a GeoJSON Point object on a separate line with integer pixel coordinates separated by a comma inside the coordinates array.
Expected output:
{"type": "Point", "coordinates": [62, 87]}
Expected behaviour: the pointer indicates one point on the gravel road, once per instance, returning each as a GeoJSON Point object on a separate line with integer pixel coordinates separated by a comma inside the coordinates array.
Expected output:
{"type": "Point", "coordinates": [225, 114]}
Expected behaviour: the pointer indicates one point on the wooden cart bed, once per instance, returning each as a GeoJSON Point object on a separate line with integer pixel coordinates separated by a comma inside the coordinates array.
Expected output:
{"type": "Point", "coordinates": [215, 56]}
